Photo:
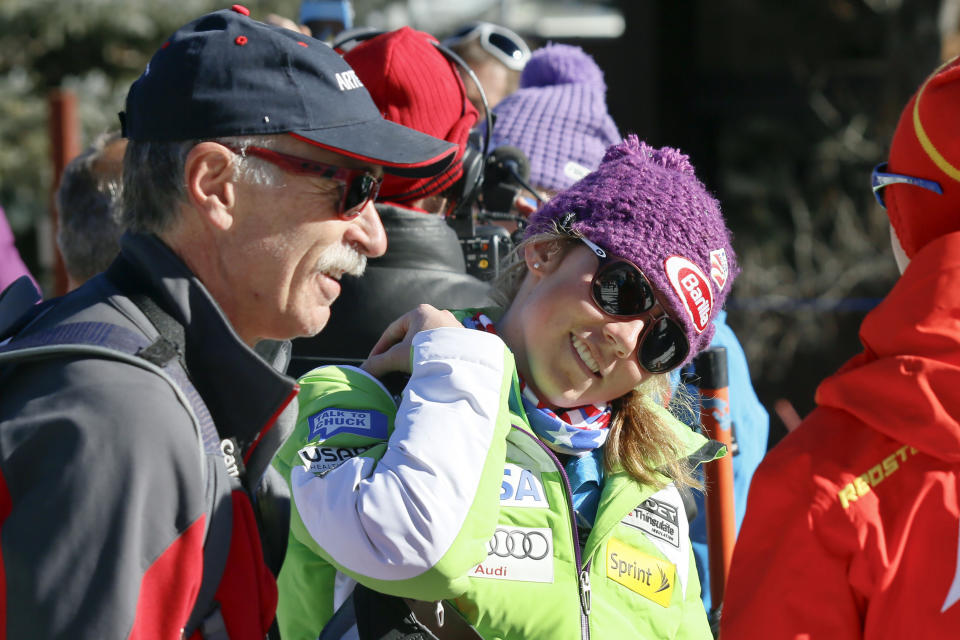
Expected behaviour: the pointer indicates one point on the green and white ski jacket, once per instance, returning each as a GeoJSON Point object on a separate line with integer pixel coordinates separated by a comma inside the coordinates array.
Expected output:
{"type": "Point", "coordinates": [451, 496]}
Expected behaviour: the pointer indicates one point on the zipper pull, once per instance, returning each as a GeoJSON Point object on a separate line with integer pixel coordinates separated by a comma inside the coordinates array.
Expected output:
{"type": "Point", "coordinates": [439, 613]}
{"type": "Point", "coordinates": [585, 591]}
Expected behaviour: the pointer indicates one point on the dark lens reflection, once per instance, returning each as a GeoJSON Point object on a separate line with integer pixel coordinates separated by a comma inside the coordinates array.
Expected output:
{"type": "Point", "coordinates": [359, 191]}
{"type": "Point", "coordinates": [664, 346]}
{"type": "Point", "coordinates": [621, 290]}
{"type": "Point", "coordinates": [506, 45]}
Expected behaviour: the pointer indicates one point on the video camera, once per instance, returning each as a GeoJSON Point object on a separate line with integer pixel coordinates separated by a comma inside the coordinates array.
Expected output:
{"type": "Point", "coordinates": [487, 228]}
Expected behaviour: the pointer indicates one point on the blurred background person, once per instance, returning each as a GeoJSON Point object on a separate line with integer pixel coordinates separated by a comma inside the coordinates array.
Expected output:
{"type": "Point", "coordinates": [326, 18]}
{"type": "Point", "coordinates": [558, 117]}
{"type": "Point", "coordinates": [496, 54]}
{"type": "Point", "coordinates": [11, 265]}
{"type": "Point", "coordinates": [414, 84]}
{"type": "Point", "coordinates": [90, 209]}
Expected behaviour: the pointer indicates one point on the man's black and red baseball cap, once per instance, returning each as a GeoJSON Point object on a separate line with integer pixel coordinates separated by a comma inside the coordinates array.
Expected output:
{"type": "Point", "coordinates": [225, 74]}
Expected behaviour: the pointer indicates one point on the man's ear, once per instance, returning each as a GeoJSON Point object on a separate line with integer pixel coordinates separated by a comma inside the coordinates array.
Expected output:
{"type": "Point", "coordinates": [209, 175]}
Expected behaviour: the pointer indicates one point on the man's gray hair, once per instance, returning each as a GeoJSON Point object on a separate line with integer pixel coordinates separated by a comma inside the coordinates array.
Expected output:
{"type": "Point", "coordinates": [88, 204]}
{"type": "Point", "coordinates": [153, 180]}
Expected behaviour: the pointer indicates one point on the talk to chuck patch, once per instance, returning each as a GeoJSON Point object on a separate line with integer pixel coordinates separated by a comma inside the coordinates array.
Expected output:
{"type": "Point", "coordinates": [330, 422]}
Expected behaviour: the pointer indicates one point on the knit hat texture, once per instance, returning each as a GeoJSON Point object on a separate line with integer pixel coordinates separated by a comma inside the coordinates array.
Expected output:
{"type": "Point", "coordinates": [413, 84]}
{"type": "Point", "coordinates": [926, 144]}
{"type": "Point", "coordinates": [558, 117]}
{"type": "Point", "coordinates": [647, 205]}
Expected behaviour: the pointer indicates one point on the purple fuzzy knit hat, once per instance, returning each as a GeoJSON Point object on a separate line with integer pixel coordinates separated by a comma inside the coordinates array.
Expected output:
{"type": "Point", "coordinates": [558, 117]}
{"type": "Point", "coordinates": [646, 205]}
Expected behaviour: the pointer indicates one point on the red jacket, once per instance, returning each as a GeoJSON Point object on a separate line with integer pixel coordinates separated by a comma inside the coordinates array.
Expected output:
{"type": "Point", "coordinates": [853, 519]}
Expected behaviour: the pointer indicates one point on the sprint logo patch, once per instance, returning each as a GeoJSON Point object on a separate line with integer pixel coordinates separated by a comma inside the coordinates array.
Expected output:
{"type": "Point", "coordinates": [322, 460]}
{"type": "Point", "coordinates": [330, 422]}
{"type": "Point", "coordinates": [651, 577]}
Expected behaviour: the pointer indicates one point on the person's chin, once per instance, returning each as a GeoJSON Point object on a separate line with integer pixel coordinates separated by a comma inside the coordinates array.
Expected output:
{"type": "Point", "coordinates": [313, 325]}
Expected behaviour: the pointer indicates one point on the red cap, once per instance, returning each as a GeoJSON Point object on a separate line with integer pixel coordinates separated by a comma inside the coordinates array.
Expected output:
{"type": "Point", "coordinates": [414, 84]}
{"type": "Point", "coordinates": [926, 145]}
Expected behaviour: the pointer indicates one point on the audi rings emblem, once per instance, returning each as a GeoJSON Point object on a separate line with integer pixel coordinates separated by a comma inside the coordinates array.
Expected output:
{"type": "Point", "coordinates": [514, 543]}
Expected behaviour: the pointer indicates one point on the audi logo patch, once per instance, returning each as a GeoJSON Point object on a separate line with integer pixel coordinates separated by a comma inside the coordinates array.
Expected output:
{"type": "Point", "coordinates": [518, 553]}
{"type": "Point", "coordinates": [519, 544]}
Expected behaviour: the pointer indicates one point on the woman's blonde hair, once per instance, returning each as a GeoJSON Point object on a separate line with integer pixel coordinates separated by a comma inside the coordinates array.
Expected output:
{"type": "Point", "coordinates": [642, 441]}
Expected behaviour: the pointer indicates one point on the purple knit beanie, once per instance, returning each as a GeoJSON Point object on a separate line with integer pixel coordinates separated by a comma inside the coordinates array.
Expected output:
{"type": "Point", "coordinates": [646, 205]}
{"type": "Point", "coordinates": [558, 117]}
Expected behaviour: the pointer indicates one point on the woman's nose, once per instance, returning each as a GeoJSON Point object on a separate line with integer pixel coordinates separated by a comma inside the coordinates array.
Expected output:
{"type": "Point", "coordinates": [624, 334]}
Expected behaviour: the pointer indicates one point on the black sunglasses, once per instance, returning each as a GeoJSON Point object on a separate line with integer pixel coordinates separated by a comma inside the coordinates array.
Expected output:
{"type": "Point", "coordinates": [880, 179]}
{"type": "Point", "coordinates": [621, 290]}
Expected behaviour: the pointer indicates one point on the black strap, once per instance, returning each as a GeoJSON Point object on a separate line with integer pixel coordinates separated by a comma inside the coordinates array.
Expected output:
{"type": "Point", "coordinates": [170, 346]}
{"type": "Point", "coordinates": [383, 617]}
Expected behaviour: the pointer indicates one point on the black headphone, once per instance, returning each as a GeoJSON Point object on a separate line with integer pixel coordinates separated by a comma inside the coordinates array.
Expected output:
{"type": "Point", "coordinates": [474, 159]}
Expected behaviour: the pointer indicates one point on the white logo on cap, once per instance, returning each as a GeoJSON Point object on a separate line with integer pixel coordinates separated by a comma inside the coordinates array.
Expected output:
{"type": "Point", "coordinates": [575, 171]}
{"type": "Point", "coordinates": [693, 289]}
{"type": "Point", "coordinates": [718, 267]}
{"type": "Point", "coordinates": [348, 80]}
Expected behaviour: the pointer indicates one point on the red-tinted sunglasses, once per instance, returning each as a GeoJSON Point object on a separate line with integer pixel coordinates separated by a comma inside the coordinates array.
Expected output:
{"type": "Point", "coordinates": [357, 186]}
{"type": "Point", "coordinates": [621, 290]}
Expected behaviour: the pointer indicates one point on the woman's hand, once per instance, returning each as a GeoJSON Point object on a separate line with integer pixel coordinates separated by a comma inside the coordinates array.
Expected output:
{"type": "Point", "coordinates": [392, 351]}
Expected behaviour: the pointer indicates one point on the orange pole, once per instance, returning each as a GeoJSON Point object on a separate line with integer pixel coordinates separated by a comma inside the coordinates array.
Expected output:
{"type": "Point", "coordinates": [64, 147]}
{"type": "Point", "coordinates": [711, 368]}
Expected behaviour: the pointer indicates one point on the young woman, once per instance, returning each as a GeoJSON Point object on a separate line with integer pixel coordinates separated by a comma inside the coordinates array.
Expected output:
{"type": "Point", "coordinates": [529, 479]}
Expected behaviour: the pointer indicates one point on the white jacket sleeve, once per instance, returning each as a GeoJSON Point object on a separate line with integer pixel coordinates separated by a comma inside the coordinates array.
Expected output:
{"type": "Point", "coordinates": [396, 517]}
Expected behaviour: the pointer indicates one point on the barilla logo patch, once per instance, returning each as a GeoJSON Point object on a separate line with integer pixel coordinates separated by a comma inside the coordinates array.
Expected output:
{"type": "Point", "coordinates": [691, 285]}
{"type": "Point", "coordinates": [651, 577]}
{"type": "Point", "coordinates": [575, 171]}
{"type": "Point", "coordinates": [348, 80]}
{"type": "Point", "coordinates": [718, 267]}
{"type": "Point", "coordinates": [329, 422]}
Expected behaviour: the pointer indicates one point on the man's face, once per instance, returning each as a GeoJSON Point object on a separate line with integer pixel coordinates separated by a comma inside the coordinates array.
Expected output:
{"type": "Point", "coordinates": [289, 246]}
{"type": "Point", "coordinates": [495, 80]}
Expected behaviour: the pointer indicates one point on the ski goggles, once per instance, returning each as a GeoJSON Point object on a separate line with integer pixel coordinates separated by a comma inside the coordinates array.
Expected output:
{"type": "Point", "coordinates": [880, 179]}
{"type": "Point", "coordinates": [505, 45]}
{"type": "Point", "coordinates": [621, 290]}
{"type": "Point", "coordinates": [357, 186]}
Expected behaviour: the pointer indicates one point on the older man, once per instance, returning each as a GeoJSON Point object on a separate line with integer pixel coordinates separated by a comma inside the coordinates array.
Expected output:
{"type": "Point", "coordinates": [254, 155]}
